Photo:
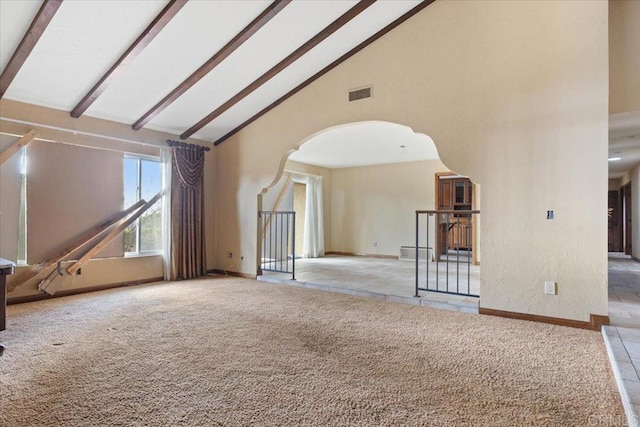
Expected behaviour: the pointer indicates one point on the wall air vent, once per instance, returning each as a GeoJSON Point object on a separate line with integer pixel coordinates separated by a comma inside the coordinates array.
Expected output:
{"type": "Point", "coordinates": [362, 93]}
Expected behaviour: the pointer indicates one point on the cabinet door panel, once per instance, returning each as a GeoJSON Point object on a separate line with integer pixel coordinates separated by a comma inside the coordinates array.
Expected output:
{"type": "Point", "coordinates": [460, 192]}
{"type": "Point", "coordinates": [445, 195]}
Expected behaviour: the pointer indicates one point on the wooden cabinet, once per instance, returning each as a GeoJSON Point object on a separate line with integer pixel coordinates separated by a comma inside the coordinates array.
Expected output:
{"type": "Point", "coordinates": [455, 194]}
{"type": "Point", "coordinates": [462, 192]}
{"type": "Point", "coordinates": [460, 233]}
{"type": "Point", "coordinates": [445, 194]}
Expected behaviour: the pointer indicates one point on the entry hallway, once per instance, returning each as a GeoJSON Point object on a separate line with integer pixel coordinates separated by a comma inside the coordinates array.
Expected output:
{"type": "Point", "coordinates": [230, 351]}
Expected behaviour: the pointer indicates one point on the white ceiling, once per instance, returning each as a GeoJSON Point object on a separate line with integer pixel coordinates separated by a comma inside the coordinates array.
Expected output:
{"type": "Point", "coordinates": [365, 143]}
{"type": "Point", "coordinates": [86, 37]}
{"type": "Point", "coordinates": [375, 142]}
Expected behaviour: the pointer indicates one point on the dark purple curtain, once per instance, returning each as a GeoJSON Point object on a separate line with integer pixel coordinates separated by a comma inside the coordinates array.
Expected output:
{"type": "Point", "coordinates": [188, 251]}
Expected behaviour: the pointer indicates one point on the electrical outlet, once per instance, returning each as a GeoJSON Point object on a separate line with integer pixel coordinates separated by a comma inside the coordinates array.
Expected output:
{"type": "Point", "coordinates": [550, 288]}
{"type": "Point", "coordinates": [230, 254]}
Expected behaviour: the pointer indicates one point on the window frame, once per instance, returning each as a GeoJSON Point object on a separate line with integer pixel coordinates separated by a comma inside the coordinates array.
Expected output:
{"type": "Point", "coordinates": [139, 158]}
{"type": "Point", "coordinates": [22, 255]}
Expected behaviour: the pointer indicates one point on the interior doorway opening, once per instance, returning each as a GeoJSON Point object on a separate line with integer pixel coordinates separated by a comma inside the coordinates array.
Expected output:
{"type": "Point", "coordinates": [375, 176]}
{"type": "Point", "coordinates": [458, 234]}
{"type": "Point", "coordinates": [627, 218]}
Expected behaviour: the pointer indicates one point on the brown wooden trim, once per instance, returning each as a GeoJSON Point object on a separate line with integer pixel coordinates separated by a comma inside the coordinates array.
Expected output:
{"type": "Point", "coordinates": [28, 42]}
{"type": "Point", "coordinates": [290, 59]}
{"type": "Point", "coordinates": [38, 297]}
{"type": "Point", "coordinates": [326, 69]}
{"type": "Point", "coordinates": [232, 273]}
{"type": "Point", "coordinates": [129, 55]}
{"type": "Point", "coordinates": [596, 321]}
{"type": "Point", "coordinates": [16, 146]}
{"type": "Point", "coordinates": [363, 255]}
{"type": "Point", "coordinates": [213, 62]}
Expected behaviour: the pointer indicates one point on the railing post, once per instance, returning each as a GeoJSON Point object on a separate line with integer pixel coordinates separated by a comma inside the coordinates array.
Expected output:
{"type": "Point", "coordinates": [281, 226]}
{"type": "Point", "coordinates": [427, 255]}
{"type": "Point", "coordinates": [456, 234]}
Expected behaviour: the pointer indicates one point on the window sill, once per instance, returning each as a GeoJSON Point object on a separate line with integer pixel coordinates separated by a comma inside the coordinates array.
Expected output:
{"type": "Point", "coordinates": [142, 254]}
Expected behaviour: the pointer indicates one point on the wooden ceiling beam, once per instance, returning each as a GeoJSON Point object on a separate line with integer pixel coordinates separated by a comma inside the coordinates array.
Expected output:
{"type": "Point", "coordinates": [294, 56]}
{"type": "Point", "coordinates": [160, 21]}
{"type": "Point", "coordinates": [213, 62]}
{"type": "Point", "coordinates": [326, 69]}
{"type": "Point", "coordinates": [28, 42]}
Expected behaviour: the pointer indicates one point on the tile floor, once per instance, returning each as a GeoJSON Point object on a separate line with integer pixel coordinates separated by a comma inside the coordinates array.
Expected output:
{"type": "Point", "coordinates": [624, 291]}
{"type": "Point", "coordinates": [394, 280]}
{"type": "Point", "coordinates": [623, 335]}
{"type": "Point", "coordinates": [389, 279]}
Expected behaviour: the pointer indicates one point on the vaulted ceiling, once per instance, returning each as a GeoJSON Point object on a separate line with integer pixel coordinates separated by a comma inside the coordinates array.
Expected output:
{"type": "Point", "coordinates": [202, 68]}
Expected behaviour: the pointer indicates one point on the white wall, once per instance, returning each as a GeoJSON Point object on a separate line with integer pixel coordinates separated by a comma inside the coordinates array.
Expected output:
{"type": "Point", "coordinates": [509, 92]}
{"type": "Point", "coordinates": [634, 178]}
{"type": "Point", "coordinates": [373, 207]}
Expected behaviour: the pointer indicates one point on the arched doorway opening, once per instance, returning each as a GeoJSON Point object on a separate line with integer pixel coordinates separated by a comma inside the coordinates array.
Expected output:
{"type": "Point", "coordinates": [368, 180]}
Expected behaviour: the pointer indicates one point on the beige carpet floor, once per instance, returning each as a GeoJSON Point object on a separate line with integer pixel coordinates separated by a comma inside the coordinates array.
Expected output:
{"type": "Point", "coordinates": [225, 351]}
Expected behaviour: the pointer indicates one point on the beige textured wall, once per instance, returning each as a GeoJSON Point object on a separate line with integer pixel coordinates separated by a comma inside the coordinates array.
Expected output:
{"type": "Point", "coordinates": [635, 215]}
{"type": "Point", "coordinates": [98, 272]}
{"type": "Point", "coordinates": [624, 65]}
{"type": "Point", "coordinates": [67, 191]}
{"type": "Point", "coordinates": [614, 184]}
{"type": "Point", "coordinates": [509, 92]}
{"type": "Point", "coordinates": [70, 190]}
{"type": "Point", "coordinates": [9, 201]}
{"type": "Point", "coordinates": [373, 207]}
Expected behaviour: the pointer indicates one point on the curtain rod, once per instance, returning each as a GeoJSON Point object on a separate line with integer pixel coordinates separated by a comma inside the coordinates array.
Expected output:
{"type": "Point", "coordinates": [186, 145]}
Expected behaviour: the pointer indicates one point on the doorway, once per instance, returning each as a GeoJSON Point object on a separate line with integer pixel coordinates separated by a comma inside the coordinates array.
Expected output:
{"type": "Point", "coordinates": [627, 225]}
{"type": "Point", "coordinates": [615, 238]}
{"type": "Point", "coordinates": [455, 232]}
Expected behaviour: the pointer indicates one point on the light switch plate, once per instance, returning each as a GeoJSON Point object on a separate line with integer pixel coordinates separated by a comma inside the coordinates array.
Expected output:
{"type": "Point", "coordinates": [550, 288]}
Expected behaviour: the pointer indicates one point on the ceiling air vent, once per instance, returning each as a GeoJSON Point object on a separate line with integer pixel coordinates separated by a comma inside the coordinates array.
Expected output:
{"type": "Point", "coordinates": [363, 93]}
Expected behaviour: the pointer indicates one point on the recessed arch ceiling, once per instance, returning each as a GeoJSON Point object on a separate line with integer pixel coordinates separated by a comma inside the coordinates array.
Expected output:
{"type": "Point", "coordinates": [84, 39]}
{"type": "Point", "coordinates": [365, 143]}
